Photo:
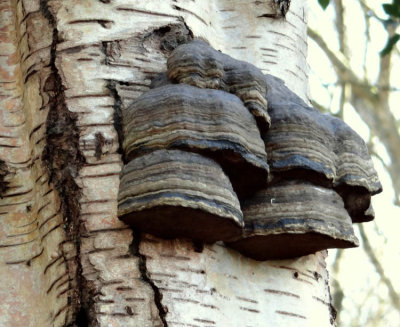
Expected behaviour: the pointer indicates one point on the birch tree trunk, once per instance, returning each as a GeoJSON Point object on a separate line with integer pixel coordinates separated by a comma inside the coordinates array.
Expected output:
{"type": "Point", "coordinates": [67, 69]}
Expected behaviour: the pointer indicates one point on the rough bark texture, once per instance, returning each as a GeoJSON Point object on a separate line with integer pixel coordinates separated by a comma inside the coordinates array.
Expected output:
{"type": "Point", "coordinates": [67, 70]}
{"type": "Point", "coordinates": [37, 237]}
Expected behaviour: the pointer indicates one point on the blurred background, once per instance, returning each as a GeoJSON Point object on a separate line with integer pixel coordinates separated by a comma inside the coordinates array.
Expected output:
{"type": "Point", "coordinates": [350, 78]}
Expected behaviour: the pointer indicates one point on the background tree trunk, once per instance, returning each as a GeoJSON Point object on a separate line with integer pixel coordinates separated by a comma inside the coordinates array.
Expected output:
{"type": "Point", "coordinates": [67, 70]}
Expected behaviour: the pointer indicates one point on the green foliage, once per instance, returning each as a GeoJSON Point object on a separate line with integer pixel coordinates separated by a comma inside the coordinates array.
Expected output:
{"type": "Point", "coordinates": [324, 3]}
{"type": "Point", "coordinates": [393, 10]}
{"type": "Point", "coordinates": [390, 44]}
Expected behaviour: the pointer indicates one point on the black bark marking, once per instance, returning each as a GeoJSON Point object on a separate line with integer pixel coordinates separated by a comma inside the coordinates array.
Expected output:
{"type": "Point", "coordinates": [278, 292]}
{"type": "Point", "coordinates": [3, 173]}
{"type": "Point", "coordinates": [100, 141]}
{"type": "Point", "coordinates": [198, 247]}
{"type": "Point", "coordinates": [105, 23]}
{"type": "Point", "coordinates": [112, 87]}
{"type": "Point", "coordinates": [290, 314]}
{"type": "Point", "coordinates": [167, 38]}
{"type": "Point", "coordinates": [190, 13]}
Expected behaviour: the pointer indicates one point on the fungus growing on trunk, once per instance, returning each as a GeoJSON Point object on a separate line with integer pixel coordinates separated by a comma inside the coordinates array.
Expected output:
{"type": "Point", "coordinates": [303, 142]}
{"type": "Point", "coordinates": [210, 122]}
{"type": "Point", "coordinates": [292, 219]}
{"type": "Point", "coordinates": [321, 180]}
{"type": "Point", "coordinates": [198, 64]}
{"type": "Point", "coordinates": [172, 193]}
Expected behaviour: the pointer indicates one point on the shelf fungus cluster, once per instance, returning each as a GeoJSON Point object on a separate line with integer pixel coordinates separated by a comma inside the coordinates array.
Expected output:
{"type": "Point", "coordinates": [207, 161]}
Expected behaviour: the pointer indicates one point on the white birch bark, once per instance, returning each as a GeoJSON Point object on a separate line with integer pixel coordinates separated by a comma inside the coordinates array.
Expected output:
{"type": "Point", "coordinates": [105, 53]}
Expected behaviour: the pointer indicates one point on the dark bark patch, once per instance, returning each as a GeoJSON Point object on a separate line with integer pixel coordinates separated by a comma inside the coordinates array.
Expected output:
{"type": "Point", "coordinates": [167, 38]}
{"type": "Point", "coordinates": [63, 159]}
{"type": "Point", "coordinates": [117, 118]}
{"type": "Point", "coordinates": [100, 141]}
{"type": "Point", "coordinates": [62, 154]}
{"type": "Point", "coordinates": [3, 174]}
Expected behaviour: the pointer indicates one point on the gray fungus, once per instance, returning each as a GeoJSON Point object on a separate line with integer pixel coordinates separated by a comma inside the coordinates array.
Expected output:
{"type": "Point", "coordinates": [217, 151]}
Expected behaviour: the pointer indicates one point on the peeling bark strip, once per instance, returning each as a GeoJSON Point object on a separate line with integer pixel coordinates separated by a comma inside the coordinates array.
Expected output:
{"type": "Point", "coordinates": [112, 288]}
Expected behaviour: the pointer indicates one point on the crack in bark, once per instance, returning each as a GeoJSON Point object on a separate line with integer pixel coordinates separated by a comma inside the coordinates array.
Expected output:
{"type": "Point", "coordinates": [135, 250]}
{"type": "Point", "coordinates": [64, 160]}
{"type": "Point", "coordinates": [332, 310]}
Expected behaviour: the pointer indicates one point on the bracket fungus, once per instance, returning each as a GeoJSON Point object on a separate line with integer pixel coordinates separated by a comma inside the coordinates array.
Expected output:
{"type": "Point", "coordinates": [173, 193]}
{"type": "Point", "coordinates": [320, 148]}
{"type": "Point", "coordinates": [195, 145]}
{"type": "Point", "coordinates": [197, 63]}
{"type": "Point", "coordinates": [294, 218]}
{"type": "Point", "coordinates": [210, 122]}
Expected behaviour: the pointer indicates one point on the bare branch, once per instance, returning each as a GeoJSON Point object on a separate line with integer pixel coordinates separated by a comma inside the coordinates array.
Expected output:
{"type": "Point", "coordinates": [384, 69]}
{"type": "Point", "coordinates": [393, 295]}
{"type": "Point", "coordinates": [340, 27]}
{"type": "Point", "coordinates": [370, 12]}
{"type": "Point", "coordinates": [366, 13]}
{"type": "Point", "coordinates": [342, 67]}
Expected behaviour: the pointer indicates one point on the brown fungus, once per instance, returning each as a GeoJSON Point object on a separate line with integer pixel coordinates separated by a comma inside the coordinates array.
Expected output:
{"type": "Point", "coordinates": [172, 193]}
{"type": "Point", "coordinates": [210, 122]}
{"type": "Point", "coordinates": [322, 180]}
{"type": "Point", "coordinates": [197, 63]}
{"type": "Point", "coordinates": [305, 144]}
{"type": "Point", "coordinates": [294, 218]}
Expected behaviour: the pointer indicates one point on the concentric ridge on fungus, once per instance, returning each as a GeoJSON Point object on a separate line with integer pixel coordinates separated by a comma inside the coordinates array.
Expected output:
{"type": "Point", "coordinates": [294, 218]}
{"type": "Point", "coordinates": [322, 175]}
{"type": "Point", "coordinates": [197, 63]}
{"type": "Point", "coordinates": [172, 193]}
{"type": "Point", "coordinates": [305, 144]}
{"type": "Point", "coordinates": [211, 122]}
